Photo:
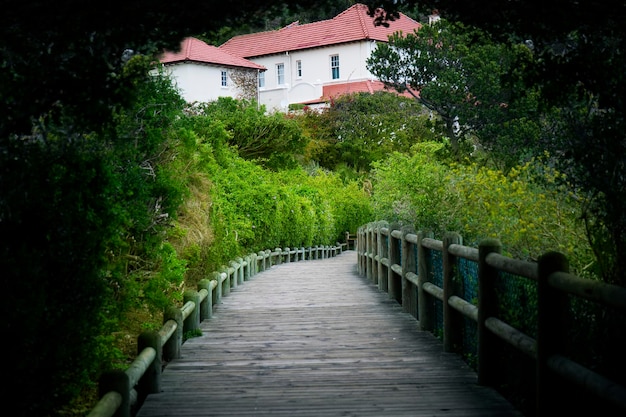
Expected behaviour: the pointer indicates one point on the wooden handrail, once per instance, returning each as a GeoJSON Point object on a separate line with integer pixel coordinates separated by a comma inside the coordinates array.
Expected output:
{"type": "Point", "coordinates": [375, 242]}
{"type": "Point", "coordinates": [121, 392]}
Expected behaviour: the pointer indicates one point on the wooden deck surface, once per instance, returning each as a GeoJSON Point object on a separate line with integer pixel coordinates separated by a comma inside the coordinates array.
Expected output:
{"type": "Point", "coordinates": [313, 338]}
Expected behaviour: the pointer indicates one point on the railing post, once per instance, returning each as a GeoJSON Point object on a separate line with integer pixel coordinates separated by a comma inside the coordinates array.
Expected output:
{"type": "Point", "coordinates": [217, 294]}
{"type": "Point", "coordinates": [369, 252]}
{"type": "Point", "coordinates": [206, 306]}
{"type": "Point", "coordinates": [247, 262]}
{"type": "Point", "coordinates": [192, 322]}
{"type": "Point", "coordinates": [487, 302]}
{"type": "Point", "coordinates": [226, 283]}
{"type": "Point", "coordinates": [287, 251]}
{"type": "Point", "coordinates": [409, 293]}
{"type": "Point", "coordinates": [279, 256]}
{"type": "Point", "coordinates": [452, 321]}
{"type": "Point", "coordinates": [254, 266]}
{"type": "Point", "coordinates": [551, 308]}
{"type": "Point", "coordinates": [425, 304]}
{"type": "Point", "coordinates": [268, 255]}
{"type": "Point", "coordinates": [118, 381]}
{"type": "Point", "coordinates": [171, 348]}
{"type": "Point", "coordinates": [375, 254]}
{"type": "Point", "coordinates": [362, 239]}
{"type": "Point", "coordinates": [234, 266]}
{"type": "Point", "coordinates": [359, 259]}
{"type": "Point", "coordinates": [150, 382]}
{"type": "Point", "coordinates": [240, 270]}
{"type": "Point", "coordinates": [382, 248]}
{"type": "Point", "coordinates": [394, 249]}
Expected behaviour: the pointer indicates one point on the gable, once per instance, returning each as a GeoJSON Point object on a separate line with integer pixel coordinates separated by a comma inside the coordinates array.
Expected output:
{"type": "Point", "coordinates": [351, 25]}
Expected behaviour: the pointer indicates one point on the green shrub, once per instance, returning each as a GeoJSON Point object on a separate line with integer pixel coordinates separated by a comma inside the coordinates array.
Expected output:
{"type": "Point", "coordinates": [253, 208]}
{"type": "Point", "coordinates": [525, 209]}
{"type": "Point", "coordinates": [413, 189]}
{"type": "Point", "coordinates": [361, 128]}
{"type": "Point", "coordinates": [274, 140]}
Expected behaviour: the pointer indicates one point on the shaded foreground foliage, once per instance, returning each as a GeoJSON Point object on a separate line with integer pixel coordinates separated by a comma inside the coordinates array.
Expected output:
{"type": "Point", "coordinates": [92, 171]}
{"type": "Point", "coordinates": [96, 226]}
{"type": "Point", "coordinates": [579, 69]}
{"type": "Point", "coordinates": [88, 197]}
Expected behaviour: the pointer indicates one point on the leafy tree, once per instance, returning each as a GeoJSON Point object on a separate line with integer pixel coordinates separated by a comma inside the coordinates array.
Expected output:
{"type": "Point", "coordinates": [246, 82]}
{"type": "Point", "coordinates": [579, 67]}
{"type": "Point", "coordinates": [273, 139]}
{"type": "Point", "coordinates": [464, 77]}
{"type": "Point", "coordinates": [361, 128]}
{"type": "Point", "coordinates": [81, 214]}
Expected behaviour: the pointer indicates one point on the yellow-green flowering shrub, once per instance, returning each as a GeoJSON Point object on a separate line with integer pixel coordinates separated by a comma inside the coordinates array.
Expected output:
{"type": "Point", "coordinates": [525, 209]}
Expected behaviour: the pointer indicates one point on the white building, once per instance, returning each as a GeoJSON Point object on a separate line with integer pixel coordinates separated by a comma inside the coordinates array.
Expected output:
{"type": "Point", "coordinates": [310, 63]}
{"type": "Point", "coordinates": [204, 72]}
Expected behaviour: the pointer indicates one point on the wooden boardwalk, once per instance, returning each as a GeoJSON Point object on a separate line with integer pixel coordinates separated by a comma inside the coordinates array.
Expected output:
{"type": "Point", "coordinates": [313, 338]}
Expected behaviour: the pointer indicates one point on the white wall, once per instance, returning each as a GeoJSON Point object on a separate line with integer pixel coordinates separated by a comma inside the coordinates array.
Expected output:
{"type": "Point", "coordinates": [316, 72]}
{"type": "Point", "coordinates": [201, 83]}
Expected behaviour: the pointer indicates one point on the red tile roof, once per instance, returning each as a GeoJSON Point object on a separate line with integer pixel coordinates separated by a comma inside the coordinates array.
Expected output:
{"type": "Point", "coordinates": [194, 50]}
{"type": "Point", "coordinates": [335, 90]}
{"type": "Point", "coordinates": [351, 25]}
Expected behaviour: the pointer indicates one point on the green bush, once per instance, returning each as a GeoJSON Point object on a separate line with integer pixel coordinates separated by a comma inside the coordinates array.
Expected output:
{"type": "Point", "coordinates": [361, 128]}
{"type": "Point", "coordinates": [413, 189]}
{"type": "Point", "coordinates": [274, 140]}
{"type": "Point", "coordinates": [525, 209]}
{"type": "Point", "coordinates": [83, 216]}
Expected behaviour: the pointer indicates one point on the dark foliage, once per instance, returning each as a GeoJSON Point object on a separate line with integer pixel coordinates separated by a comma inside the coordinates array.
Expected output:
{"type": "Point", "coordinates": [580, 68]}
{"type": "Point", "coordinates": [54, 215]}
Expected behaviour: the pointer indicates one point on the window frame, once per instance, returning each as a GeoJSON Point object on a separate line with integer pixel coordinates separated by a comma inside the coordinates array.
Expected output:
{"type": "Point", "coordinates": [280, 73]}
{"type": "Point", "coordinates": [299, 68]}
{"type": "Point", "coordinates": [334, 67]}
{"type": "Point", "coordinates": [224, 78]}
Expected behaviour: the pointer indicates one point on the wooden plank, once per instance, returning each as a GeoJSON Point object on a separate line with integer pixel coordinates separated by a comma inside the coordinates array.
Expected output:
{"type": "Point", "coordinates": [312, 338]}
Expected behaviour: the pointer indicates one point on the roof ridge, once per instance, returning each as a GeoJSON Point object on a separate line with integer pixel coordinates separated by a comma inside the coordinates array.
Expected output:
{"type": "Point", "coordinates": [188, 43]}
{"type": "Point", "coordinates": [357, 6]}
{"type": "Point", "coordinates": [352, 24]}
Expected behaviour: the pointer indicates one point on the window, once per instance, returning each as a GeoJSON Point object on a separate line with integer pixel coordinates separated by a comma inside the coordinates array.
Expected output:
{"type": "Point", "coordinates": [334, 66]}
{"type": "Point", "coordinates": [224, 78]}
{"type": "Point", "coordinates": [261, 79]}
{"type": "Point", "coordinates": [299, 68]}
{"type": "Point", "coordinates": [280, 74]}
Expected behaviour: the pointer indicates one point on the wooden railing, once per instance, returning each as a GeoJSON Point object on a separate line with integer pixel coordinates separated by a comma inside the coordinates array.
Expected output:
{"type": "Point", "coordinates": [350, 241]}
{"type": "Point", "coordinates": [396, 259]}
{"type": "Point", "coordinates": [123, 391]}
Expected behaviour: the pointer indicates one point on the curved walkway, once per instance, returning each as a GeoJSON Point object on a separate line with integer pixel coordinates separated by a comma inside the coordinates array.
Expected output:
{"type": "Point", "coordinates": [313, 338]}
